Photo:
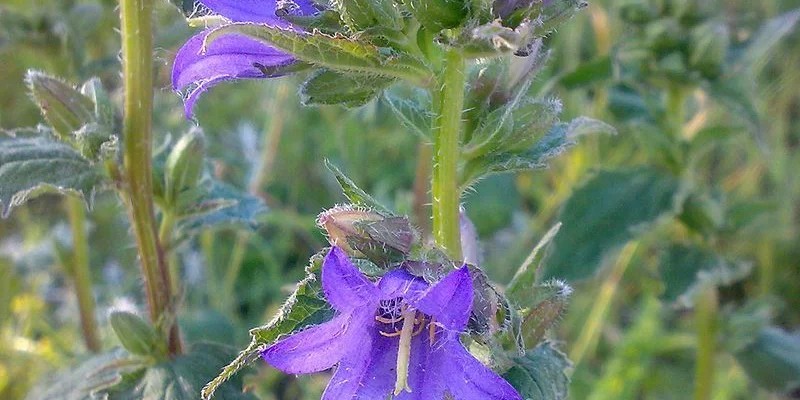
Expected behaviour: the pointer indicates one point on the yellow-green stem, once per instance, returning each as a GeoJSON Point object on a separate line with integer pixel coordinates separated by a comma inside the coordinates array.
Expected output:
{"type": "Point", "coordinates": [446, 135]}
{"type": "Point", "coordinates": [706, 325]}
{"type": "Point", "coordinates": [137, 70]}
{"type": "Point", "coordinates": [81, 274]}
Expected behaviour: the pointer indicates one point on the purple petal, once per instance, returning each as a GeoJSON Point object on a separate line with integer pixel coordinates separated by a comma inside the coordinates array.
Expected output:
{"type": "Point", "coordinates": [227, 58]}
{"type": "Point", "coordinates": [449, 300]}
{"type": "Point", "coordinates": [367, 373]}
{"type": "Point", "coordinates": [260, 11]}
{"type": "Point", "coordinates": [345, 287]}
{"type": "Point", "coordinates": [468, 379]}
{"type": "Point", "coordinates": [321, 347]}
{"type": "Point", "coordinates": [399, 283]}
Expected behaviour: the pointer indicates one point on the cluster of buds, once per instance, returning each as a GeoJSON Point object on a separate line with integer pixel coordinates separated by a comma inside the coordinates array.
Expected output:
{"type": "Point", "coordinates": [680, 40]}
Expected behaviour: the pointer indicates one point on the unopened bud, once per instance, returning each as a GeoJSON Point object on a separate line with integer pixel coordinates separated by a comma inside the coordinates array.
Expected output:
{"type": "Point", "coordinates": [363, 232]}
{"type": "Point", "coordinates": [64, 108]}
{"type": "Point", "coordinates": [135, 335]}
{"type": "Point", "coordinates": [548, 305]}
{"type": "Point", "coordinates": [184, 166]}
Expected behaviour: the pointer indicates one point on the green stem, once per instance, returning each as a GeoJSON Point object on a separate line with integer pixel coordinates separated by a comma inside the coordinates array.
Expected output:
{"type": "Point", "coordinates": [137, 70]}
{"type": "Point", "coordinates": [446, 131]}
{"type": "Point", "coordinates": [81, 274]}
{"type": "Point", "coordinates": [164, 237]}
{"type": "Point", "coordinates": [706, 325]}
{"type": "Point", "coordinates": [676, 110]}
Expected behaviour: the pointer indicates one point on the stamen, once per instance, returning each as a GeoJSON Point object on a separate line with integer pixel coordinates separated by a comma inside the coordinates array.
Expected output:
{"type": "Point", "coordinates": [421, 322]}
{"type": "Point", "coordinates": [390, 334]}
{"type": "Point", "coordinates": [404, 351]}
{"type": "Point", "coordinates": [432, 330]}
{"type": "Point", "coordinates": [388, 320]}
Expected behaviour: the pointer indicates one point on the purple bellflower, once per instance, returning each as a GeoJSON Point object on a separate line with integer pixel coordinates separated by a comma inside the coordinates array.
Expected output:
{"type": "Point", "coordinates": [399, 337]}
{"type": "Point", "coordinates": [231, 57]}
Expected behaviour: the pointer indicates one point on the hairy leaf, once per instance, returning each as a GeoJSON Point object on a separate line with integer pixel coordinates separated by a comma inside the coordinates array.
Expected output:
{"type": "Point", "coordinates": [763, 42]}
{"type": "Point", "coordinates": [335, 52]}
{"type": "Point", "coordinates": [687, 269]}
{"type": "Point", "coordinates": [540, 374]}
{"type": "Point", "coordinates": [349, 90]}
{"type": "Point", "coordinates": [220, 204]}
{"type": "Point", "coordinates": [30, 167]}
{"type": "Point", "coordinates": [414, 113]}
{"type": "Point", "coordinates": [355, 194]}
{"type": "Point", "coordinates": [605, 213]}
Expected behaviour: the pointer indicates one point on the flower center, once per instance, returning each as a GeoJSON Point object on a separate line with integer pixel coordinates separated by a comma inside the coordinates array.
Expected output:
{"type": "Point", "coordinates": [413, 323]}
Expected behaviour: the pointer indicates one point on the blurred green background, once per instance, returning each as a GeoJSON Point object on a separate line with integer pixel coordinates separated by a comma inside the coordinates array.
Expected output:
{"type": "Point", "coordinates": [258, 132]}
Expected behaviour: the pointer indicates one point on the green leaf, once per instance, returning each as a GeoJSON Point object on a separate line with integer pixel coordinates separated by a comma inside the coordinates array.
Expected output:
{"type": "Point", "coordinates": [762, 43]}
{"type": "Point", "coordinates": [737, 97]}
{"type": "Point", "coordinates": [362, 14]}
{"type": "Point", "coordinates": [413, 112]}
{"type": "Point", "coordinates": [355, 194]}
{"type": "Point", "coordinates": [603, 214]}
{"type": "Point", "coordinates": [181, 378]}
{"type": "Point", "coordinates": [335, 52]}
{"type": "Point", "coordinates": [773, 361]}
{"type": "Point", "coordinates": [89, 379]}
{"type": "Point", "coordinates": [30, 167]}
{"type": "Point", "coordinates": [540, 374]}
{"type": "Point", "coordinates": [590, 73]}
{"type": "Point", "coordinates": [518, 289]}
{"type": "Point", "coordinates": [218, 204]}
{"type": "Point", "coordinates": [685, 270]}
{"type": "Point", "coordinates": [136, 335]}
{"type": "Point", "coordinates": [305, 307]}
{"type": "Point", "coordinates": [63, 106]}
{"type": "Point", "coordinates": [438, 15]}
{"type": "Point", "coordinates": [349, 90]}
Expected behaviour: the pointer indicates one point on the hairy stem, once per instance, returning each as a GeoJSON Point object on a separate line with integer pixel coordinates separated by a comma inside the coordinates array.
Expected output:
{"type": "Point", "coordinates": [137, 70]}
{"type": "Point", "coordinates": [446, 132]}
{"type": "Point", "coordinates": [706, 325]}
{"type": "Point", "coordinates": [81, 275]}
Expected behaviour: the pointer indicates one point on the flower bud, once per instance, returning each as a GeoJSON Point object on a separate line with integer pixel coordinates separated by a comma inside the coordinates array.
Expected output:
{"type": "Point", "coordinates": [135, 335]}
{"type": "Point", "coordinates": [64, 108]}
{"type": "Point", "coordinates": [363, 232]}
{"type": "Point", "coordinates": [184, 166]}
{"type": "Point", "coordinates": [436, 15]}
{"type": "Point", "coordinates": [548, 306]}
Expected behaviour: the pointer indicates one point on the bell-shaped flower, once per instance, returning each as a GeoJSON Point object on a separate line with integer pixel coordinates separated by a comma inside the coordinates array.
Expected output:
{"type": "Point", "coordinates": [198, 67]}
{"type": "Point", "coordinates": [396, 339]}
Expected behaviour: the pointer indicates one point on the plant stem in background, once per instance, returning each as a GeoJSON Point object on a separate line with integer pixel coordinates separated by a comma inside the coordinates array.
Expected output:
{"type": "Point", "coordinates": [137, 69]}
{"type": "Point", "coordinates": [421, 188]}
{"type": "Point", "coordinates": [706, 308]}
{"type": "Point", "coordinates": [446, 132]}
{"type": "Point", "coordinates": [81, 274]}
{"type": "Point", "coordinates": [676, 110]}
{"type": "Point", "coordinates": [594, 324]}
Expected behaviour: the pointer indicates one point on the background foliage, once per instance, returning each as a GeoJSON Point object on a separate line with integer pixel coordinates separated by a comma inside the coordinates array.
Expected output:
{"type": "Point", "coordinates": [626, 330]}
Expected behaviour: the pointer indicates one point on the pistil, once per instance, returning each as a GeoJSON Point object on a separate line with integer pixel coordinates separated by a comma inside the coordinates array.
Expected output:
{"type": "Point", "coordinates": [404, 351]}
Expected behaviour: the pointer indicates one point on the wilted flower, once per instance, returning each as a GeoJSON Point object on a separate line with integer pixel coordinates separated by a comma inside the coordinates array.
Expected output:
{"type": "Point", "coordinates": [398, 337]}
{"type": "Point", "coordinates": [198, 67]}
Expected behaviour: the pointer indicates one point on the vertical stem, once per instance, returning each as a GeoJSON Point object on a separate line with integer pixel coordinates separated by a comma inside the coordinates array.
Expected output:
{"type": "Point", "coordinates": [137, 69]}
{"type": "Point", "coordinates": [421, 188]}
{"type": "Point", "coordinates": [676, 110]}
{"type": "Point", "coordinates": [706, 325]}
{"type": "Point", "coordinates": [81, 275]}
{"type": "Point", "coordinates": [446, 131]}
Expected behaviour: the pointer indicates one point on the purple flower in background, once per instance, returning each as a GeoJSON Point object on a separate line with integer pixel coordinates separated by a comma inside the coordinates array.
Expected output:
{"type": "Point", "coordinates": [232, 56]}
{"type": "Point", "coordinates": [399, 337]}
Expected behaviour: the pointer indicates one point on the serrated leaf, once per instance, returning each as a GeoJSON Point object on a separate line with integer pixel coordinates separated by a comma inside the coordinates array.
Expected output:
{"type": "Point", "coordinates": [305, 306]}
{"type": "Point", "coordinates": [355, 194]}
{"type": "Point", "coordinates": [220, 204]}
{"type": "Point", "coordinates": [349, 90]}
{"type": "Point", "coordinates": [335, 52]}
{"type": "Point", "coordinates": [761, 44]}
{"type": "Point", "coordinates": [687, 269]}
{"type": "Point", "coordinates": [554, 143]}
{"type": "Point", "coordinates": [30, 167]}
{"type": "Point", "coordinates": [414, 113]}
{"type": "Point", "coordinates": [540, 374]}
{"type": "Point", "coordinates": [606, 212]}
{"type": "Point", "coordinates": [89, 379]}
{"type": "Point", "coordinates": [181, 378]}
{"type": "Point", "coordinates": [773, 361]}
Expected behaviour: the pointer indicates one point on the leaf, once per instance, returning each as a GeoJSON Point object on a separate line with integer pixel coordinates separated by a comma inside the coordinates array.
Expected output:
{"type": "Point", "coordinates": [773, 361]}
{"type": "Point", "coordinates": [305, 307]}
{"type": "Point", "coordinates": [221, 205]}
{"type": "Point", "coordinates": [525, 277]}
{"type": "Point", "coordinates": [334, 52]}
{"type": "Point", "coordinates": [594, 72]}
{"type": "Point", "coordinates": [540, 374]}
{"type": "Point", "coordinates": [349, 90]}
{"type": "Point", "coordinates": [355, 194]}
{"type": "Point", "coordinates": [685, 270]}
{"type": "Point", "coordinates": [762, 43]}
{"type": "Point", "coordinates": [413, 112]}
{"type": "Point", "coordinates": [87, 380]}
{"type": "Point", "coordinates": [181, 378]}
{"type": "Point", "coordinates": [30, 167]}
{"type": "Point", "coordinates": [603, 214]}
{"type": "Point", "coordinates": [735, 95]}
